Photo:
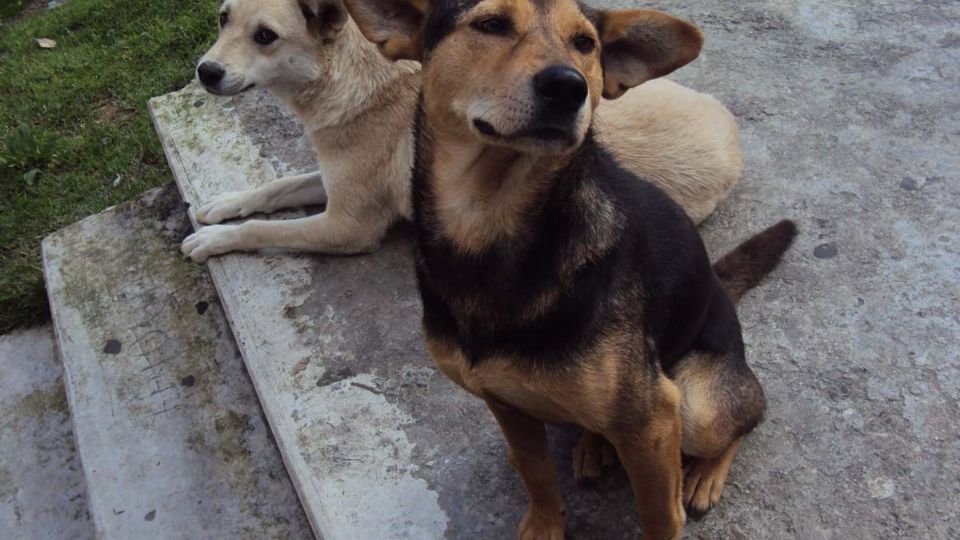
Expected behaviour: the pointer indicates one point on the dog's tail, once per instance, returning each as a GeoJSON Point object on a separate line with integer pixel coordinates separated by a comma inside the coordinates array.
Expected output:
{"type": "Point", "coordinates": [744, 267]}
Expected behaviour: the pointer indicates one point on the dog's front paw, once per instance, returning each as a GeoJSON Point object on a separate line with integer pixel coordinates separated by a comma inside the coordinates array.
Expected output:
{"type": "Point", "coordinates": [210, 241]}
{"type": "Point", "coordinates": [229, 205]}
{"type": "Point", "coordinates": [542, 526]}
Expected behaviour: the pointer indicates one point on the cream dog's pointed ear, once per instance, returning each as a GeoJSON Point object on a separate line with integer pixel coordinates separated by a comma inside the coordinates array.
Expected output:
{"type": "Point", "coordinates": [325, 18]}
{"type": "Point", "coordinates": [396, 26]}
{"type": "Point", "coordinates": [639, 45]}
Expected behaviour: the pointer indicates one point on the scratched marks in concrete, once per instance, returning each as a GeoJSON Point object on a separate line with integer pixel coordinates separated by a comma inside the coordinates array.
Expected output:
{"type": "Point", "coordinates": [168, 427]}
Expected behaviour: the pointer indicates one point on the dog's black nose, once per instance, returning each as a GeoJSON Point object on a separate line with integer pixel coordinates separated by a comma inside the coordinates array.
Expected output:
{"type": "Point", "coordinates": [210, 74]}
{"type": "Point", "coordinates": [564, 89]}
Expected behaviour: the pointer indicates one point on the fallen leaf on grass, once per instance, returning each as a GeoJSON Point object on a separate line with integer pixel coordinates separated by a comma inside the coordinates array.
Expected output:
{"type": "Point", "coordinates": [45, 43]}
{"type": "Point", "coordinates": [31, 176]}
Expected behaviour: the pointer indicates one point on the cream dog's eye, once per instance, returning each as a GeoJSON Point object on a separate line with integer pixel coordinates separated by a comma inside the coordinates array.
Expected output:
{"type": "Point", "coordinates": [224, 17]}
{"type": "Point", "coordinates": [265, 36]}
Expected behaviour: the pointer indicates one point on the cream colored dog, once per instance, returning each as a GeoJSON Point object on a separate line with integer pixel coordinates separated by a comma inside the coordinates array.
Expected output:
{"type": "Point", "coordinates": [358, 109]}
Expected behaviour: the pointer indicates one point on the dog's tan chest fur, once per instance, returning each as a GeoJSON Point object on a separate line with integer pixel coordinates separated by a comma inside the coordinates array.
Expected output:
{"type": "Point", "coordinates": [481, 192]}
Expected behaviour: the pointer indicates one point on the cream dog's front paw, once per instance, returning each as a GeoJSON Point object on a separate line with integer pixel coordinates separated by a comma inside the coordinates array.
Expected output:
{"type": "Point", "coordinates": [210, 241]}
{"type": "Point", "coordinates": [229, 205]}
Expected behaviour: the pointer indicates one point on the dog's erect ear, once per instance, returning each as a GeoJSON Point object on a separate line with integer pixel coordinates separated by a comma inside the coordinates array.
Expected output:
{"type": "Point", "coordinates": [396, 26]}
{"type": "Point", "coordinates": [639, 45]}
{"type": "Point", "coordinates": [325, 18]}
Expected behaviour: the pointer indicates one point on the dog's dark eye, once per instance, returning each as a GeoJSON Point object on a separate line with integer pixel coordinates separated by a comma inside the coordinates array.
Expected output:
{"type": "Point", "coordinates": [224, 17]}
{"type": "Point", "coordinates": [265, 36]}
{"type": "Point", "coordinates": [492, 25]}
{"type": "Point", "coordinates": [584, 44]}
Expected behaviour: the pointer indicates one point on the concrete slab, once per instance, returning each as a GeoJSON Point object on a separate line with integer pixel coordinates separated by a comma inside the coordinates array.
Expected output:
{"type": "Point", "coordinates": [42, 494]}
{"type": "Point", "coordinates": [168, 427]}
{"type": "Point", "coordinates": [850, 118]}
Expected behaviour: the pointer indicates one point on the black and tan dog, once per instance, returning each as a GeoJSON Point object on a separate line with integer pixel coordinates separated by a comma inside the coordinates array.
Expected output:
{"type": "Point", "coordinates": [557, 286]}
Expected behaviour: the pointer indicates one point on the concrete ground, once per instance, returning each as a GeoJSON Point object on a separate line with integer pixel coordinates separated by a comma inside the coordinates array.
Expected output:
{"type": "Point", "coordinates": [42, 493]}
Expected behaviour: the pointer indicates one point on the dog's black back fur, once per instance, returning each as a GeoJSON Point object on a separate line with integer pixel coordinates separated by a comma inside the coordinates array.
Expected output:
{"type": "Point", "coordinates": [653, 281]}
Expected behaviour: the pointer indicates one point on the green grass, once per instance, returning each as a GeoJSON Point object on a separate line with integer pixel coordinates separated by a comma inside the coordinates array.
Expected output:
{"type": "Point", "coordinates": [11, 7]}
{"type": "Point", "coordinates": [75, 136]}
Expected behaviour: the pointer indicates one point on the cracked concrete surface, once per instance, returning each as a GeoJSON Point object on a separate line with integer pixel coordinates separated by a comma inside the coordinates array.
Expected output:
{"type": "Point", "coordinates": [850, 120]}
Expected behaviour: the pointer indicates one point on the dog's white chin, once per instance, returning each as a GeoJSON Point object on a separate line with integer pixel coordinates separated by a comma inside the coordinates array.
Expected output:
{"type": "Point", "coordinates": [228, 90]}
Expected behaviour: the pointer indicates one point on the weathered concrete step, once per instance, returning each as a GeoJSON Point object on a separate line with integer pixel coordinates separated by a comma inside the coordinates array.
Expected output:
{"type": "Point", "coordinates": [42, 494]}
{"type": "Point", "coordinates": [167, 424]}
{"type": "Point", "coordinates": [379, 444]}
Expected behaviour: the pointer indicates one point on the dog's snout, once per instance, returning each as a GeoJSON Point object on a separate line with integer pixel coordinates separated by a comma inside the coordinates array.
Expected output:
{"type": "Point", "coordinates": [562, 87]}
{"type": "Point", "coordinates": [210, 73]}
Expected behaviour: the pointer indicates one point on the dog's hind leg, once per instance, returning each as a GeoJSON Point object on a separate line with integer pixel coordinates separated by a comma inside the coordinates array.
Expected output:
{"type": "Point", "coordinates": [650, 453]}
{"type": "Point", "coordinates": [591, 455]}
{"type": "Point", "coordinates": [288, 192]}
{"type": "Point", "coordinates": [722, 401]}
{"type": "Point", "coordinates": [704, 479]}
{"type": "Point", "coordinates": [529, 456]}
{"type": "Point", "coordinates": [684, 142]}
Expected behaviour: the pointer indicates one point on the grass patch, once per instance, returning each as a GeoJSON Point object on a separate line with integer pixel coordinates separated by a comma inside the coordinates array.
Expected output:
{"type": "Point", "coordinates": [75, 136]}
{"type": "Point", "coordinates": [10, 7]}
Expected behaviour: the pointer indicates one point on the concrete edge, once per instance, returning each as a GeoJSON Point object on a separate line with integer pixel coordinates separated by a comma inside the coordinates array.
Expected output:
{"type": "Point", "coordinates": [68, 383]}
